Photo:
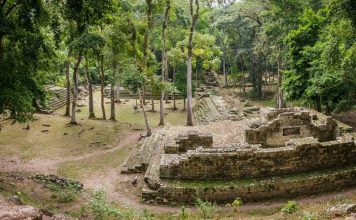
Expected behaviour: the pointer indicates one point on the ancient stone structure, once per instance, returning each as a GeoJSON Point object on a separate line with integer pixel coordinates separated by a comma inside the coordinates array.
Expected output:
{"type": "Point", "coordinates": [58, 97]}
{"type": "Point", "coordinates": [279, 126]}
{"type": "Point", "coordinates": [210, 108]}
{"type": "Point", "coordinates": [190, 141]}
{"type": "Point", "coordinates": [299, 155]}
{"type": "Point", "coordinates": [127, 94]}
{"type": "Point", "coordinates": [211, 79]}
{"type": "Point", "coordinates": [289, 152]}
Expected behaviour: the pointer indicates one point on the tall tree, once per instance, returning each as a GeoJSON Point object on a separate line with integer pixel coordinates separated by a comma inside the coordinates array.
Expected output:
{"type": "Point", "coordinates": [164, 58]}
{"type": "Point", "coordinates": [194, 16]}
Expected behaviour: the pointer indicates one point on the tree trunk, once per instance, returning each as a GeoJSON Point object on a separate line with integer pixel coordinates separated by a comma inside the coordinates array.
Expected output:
{"type": "Point", "coordinates": [318, 104]}
{"type": "Point", "coordinates": [280, 100]}
{"type": "Point", "coordinates": [184, 104]}
{"type": "Point", "coordinates": [102, 84]}
{"type": "Point", "coordinates": [189, 62]}
{"type": "Point", "coordinates": [164, 61]}
{"type": "Point", "coordinates": [243, 76]}
{"type": "Point", "coordinates": [67, 67]}
{"type": "Point", "coordinates": [152, 102]}
{"type": "Point", "coordinates": [112, 102]}
{"type": "Point", "coordinates": [174, 94]}
{"type": "Point", "coordinates": [75, 89]}
{"type": "Point", "coordinates": [149, 132]}
{"type": "Point", "coordinates": [117, 100]}
{"type": "Point", "coordinates": [224, 68]}
{"type": "Point", "coordinates": [90, 90]}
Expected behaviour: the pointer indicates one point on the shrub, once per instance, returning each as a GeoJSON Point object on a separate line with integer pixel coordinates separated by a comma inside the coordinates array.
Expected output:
{"type": "Point", "coordinates": [237, 203]}
{"type": "Point", "coordinates": [206, 209]}
{"type": "Point", "coordinates": [290, 207]}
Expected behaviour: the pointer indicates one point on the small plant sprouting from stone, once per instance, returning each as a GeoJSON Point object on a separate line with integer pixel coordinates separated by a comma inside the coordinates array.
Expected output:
{"type": "Point", "coordinates": [237, 203]}
{"type": "Point", "coordinates": [206, 209]}
{"type": "Point", "coordinates": [290, 208]}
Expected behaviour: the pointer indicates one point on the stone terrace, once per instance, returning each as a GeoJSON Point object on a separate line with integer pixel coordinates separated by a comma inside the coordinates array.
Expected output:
{"type": "Point", "coordinates": [317, 159]}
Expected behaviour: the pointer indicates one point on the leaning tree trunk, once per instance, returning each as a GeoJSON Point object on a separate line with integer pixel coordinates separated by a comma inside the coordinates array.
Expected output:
{"type": "Point", "coordinates": [112, 102]}
{"type": "Point", "coordinates": [149, 132]}
{"type": "Point", "coordinates": [90, 90]}
{"type": "Point", "coordinates": [102, 79]}
{"type": "Point", "coordinates": [67, 66]}
{"type": "Point", "coordinates": [75, 89]}
{"type": "Point", "coordinates": [189, 62]}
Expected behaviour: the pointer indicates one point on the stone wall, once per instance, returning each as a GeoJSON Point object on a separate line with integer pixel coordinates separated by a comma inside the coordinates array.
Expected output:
{"type": "Point", "coordinates": [299, 155]}
{"type": "Point", "coordinates": [190, 141]}
{"type": "Point", "coordinates": [255, 190]}
{"type": "Point", "coordinates": [279, 126]}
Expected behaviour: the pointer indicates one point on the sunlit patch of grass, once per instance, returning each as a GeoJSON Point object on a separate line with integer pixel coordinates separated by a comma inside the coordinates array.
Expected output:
{"type": "Point", "coordinates": [95, 165]}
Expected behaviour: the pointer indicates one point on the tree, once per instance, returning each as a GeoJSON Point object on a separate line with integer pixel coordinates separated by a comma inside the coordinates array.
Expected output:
{"type": "Point", "coordinates": [24, 45]}
{"type": "Point", "coordinates": [164, 58]}
{"type": "Point", "coordinates": [194, 17]}
{"type": "Point", "coordinates": [134, 81]}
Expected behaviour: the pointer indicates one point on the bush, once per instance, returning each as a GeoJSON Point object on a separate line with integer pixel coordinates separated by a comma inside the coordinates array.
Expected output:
{"type": "Point", "coordinates": [206, 209]}
{"type": "Point", "coordinates": [290, 207]}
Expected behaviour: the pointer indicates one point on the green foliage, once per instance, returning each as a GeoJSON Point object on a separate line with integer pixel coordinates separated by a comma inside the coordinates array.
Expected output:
{"type": "Point", "coordinates": [101, 208]}
{"type": "Point", "coordinates": [132, 79]}
{"type": "Point", "coordinates": [290, 208]}
{"type": "Point", "coordinates": [207, 210]}
{"type": "Point", "coordinates": [181, 84]}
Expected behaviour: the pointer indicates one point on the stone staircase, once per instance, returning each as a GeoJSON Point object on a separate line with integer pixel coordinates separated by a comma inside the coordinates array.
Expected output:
{"type": "Point", "coordinates": [138, 162]}
{"type": "Point", "coordinates": [213, 108]}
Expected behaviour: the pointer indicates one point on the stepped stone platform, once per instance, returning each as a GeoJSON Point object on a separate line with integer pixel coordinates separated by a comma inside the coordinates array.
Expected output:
{"type": "Point", "coordinates": [127, 94]}
{"type": "Point", "coordinates": [286, 153]}
{"type": "Point", "coordinates": [139, 161]}
{"type": "Point", "coordinates": [58, 97]}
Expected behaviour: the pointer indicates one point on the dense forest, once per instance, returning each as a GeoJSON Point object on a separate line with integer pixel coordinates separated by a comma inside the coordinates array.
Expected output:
{"type": "Point", "coordinates": [164, 45]}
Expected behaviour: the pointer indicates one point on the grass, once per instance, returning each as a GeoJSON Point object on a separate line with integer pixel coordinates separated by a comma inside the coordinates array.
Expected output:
{"type": "Point", "coordinates": [49, 136]}
{"type": "Point", "coordinates": [94, 166]}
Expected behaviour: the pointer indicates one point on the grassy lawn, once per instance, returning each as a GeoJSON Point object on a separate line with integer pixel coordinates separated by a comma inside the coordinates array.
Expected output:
{"type": "Point", "coordinates": [49, 136]}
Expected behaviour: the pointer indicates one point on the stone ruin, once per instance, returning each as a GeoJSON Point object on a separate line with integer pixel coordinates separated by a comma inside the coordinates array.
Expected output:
{"type": "Point", "coordinates": [290, 152]}
{"type": "Point", "coordinates": [58, 97]}
{"type": "Point", "coordinates": [127, 94]}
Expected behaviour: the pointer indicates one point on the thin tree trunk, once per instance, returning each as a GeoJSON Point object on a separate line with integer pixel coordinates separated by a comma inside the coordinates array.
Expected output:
{"type": "Point", "coordinates": [90, 90]}
{"type": "Point", "coordinates": [184, 104]}
{"type": "Point", "coordinates": [243, 75]}
{"type": "Point", "coordinates": [117, 96]}
{"type": "Point", "coordinates": [75, 89]}
{"type": "Point", "coordinates": [164, 61]}
{"type": "Point", "coordinates": [280, 99]}
{"type": "Point", "coordinates": [152, 101]}
{"type": "Point", "coordinates": [174, 94]}
{"type": "Point", "coordinates": [189, 62]}
{"type": "Point", "coordinates": [67, 66]}
{"type": "Point", "coordinates": [224, 68]}
{"type": "Point", "coordinates": [149, 132]}
{"type": "Point", "coordinates": [102, 84]}
{"type": "Point", "coordinates": [112, 102]}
